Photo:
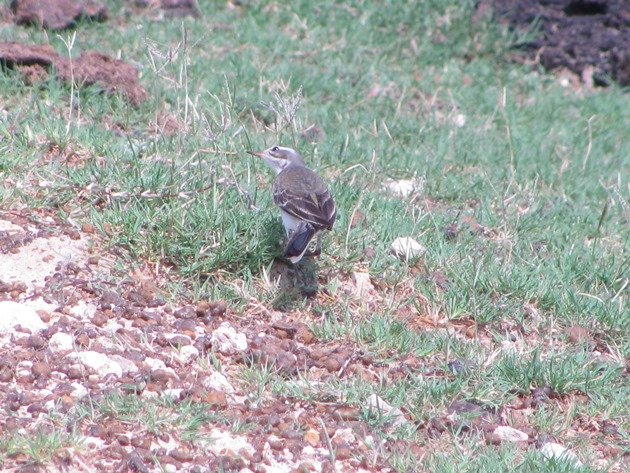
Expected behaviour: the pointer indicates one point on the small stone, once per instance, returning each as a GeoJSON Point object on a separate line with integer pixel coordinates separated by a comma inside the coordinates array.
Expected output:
{"type": "Point", "coordinates": [94, 259]}
{"type": "Point", "coordinates": [312, 437]}
{"type": "Point", "coordinates": [226, 443]}
{"type": "Point", "coordinates": [362, 285]}
{"type": "Point", "coordinates": [181, 456]}
{"type": "Point", "coordinates": [99, 319]}
{"type": "Point", "coordinates": [395, 416]}
{"type": "Point", "coordinates": [346, 413]}
{"type": "Point", "coordinates": [217, 381]}
{"type": "Point", "coordinates": [36, 341]}
{"type": "Point", "coordinates": [343, 436]}
{"type": "Point", "coordinates": [509, 434]}
{"type": "Point", "coordinates": [555, 451]}
{"type": "Point", "coordinates": [83, 310]}
{"type": "Point", "coordinates": [343, 453]}
{"type": "Point", "coordinates": [13, 314]}
{"type": "Point", "coordinates": [216, 398]}
{"type": "Point", "coordinates": [41, 369]}
{"type": "Point", "coordinates": [304, 335]}
{"type": "Point", "coordinates": [459, 120]}
{"type": "Point", "coordinates": [227, 341]}
{"type": "Point", "coordinates": [88, 228]}
{"type": "Point", "coordinates": [98, 362]}
{"type": "Point", "coordinates": [189, 353]}
{"type": "Point", "coordinates": [406, 248]}
{"type": "Point", "coordinates": [403, 188]}
{"type": "Point", "coordinates": [577, 334]}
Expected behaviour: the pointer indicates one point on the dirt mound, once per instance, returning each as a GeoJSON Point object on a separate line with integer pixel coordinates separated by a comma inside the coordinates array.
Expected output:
{"type": "Point", "coordinates": [90, 68]}
{"type": "Point", "coordinates": [588, 37]}
{"type": "Point", "coordinates": [56, 14]}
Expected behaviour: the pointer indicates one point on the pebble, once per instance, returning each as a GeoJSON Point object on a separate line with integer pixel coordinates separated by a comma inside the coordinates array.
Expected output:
{"type": "Point", "coordinates": [83, 310]}
{"type": "Point", "coordinates": [343, 453]}
{"type": "Point", "coordinates": [362, 285]}
{"type": "Point", "coordinates": [395, 416]}
{"type": "Point", "coordinates": [36, 341]}
{"type": "Point", "coordinates": [99, 362]}
{"type": "Point", "coordinates": [13, 314]}
{"type": "Point", "coordinates": [406, 248]}
{"type": "Point", "coordinates": [60, 342]}
{"type": "Point", "coordinates": [224, 443]}
{"type": "Point", "coordinates": [555, 451]}
{"type": "Point", "coordinates": [216, 398]}
{"type": "Point", "coordinates": [402, 188]}
{"type": "Point", "coordinates": [312, 437]}
{"type": "Point", "coordinates": [41, 369]}
{"type": "Point", "coordinates": [189, 353]}
{"type": "Point", "coordinates": [510, 434]}
{"type": "Point", "coordinates": [217, 381]}
{"type": "Point", "coordinates": [228, 341]}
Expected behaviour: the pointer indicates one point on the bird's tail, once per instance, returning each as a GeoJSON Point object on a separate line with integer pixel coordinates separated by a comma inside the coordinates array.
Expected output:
{"type": "Point", "coordinates": [298, 243]}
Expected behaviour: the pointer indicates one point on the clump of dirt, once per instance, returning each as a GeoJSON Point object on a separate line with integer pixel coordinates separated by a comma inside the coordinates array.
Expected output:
{"type": "Point", "coordinates": [588, 37]}
{"type": "Point", "coordinates": [90, 68]}
{"type": "Point", "coordinates": [169, 8]}
{"type": "Point", "coordinates": [56, 14]}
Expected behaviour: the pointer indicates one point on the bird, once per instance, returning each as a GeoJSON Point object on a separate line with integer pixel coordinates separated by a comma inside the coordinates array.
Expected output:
{"type": "Point", "coordinates": [305, 203]}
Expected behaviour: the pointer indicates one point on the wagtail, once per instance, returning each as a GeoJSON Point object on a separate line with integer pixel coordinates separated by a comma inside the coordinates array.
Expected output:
{"type": "Point", "coordinates": [306, 205]}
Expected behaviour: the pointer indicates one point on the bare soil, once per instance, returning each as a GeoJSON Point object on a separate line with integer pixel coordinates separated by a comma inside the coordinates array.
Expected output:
{"type": "Point", "coordinates": [35, 62]}
{"type": "Point", "coordinates": [589, 37]}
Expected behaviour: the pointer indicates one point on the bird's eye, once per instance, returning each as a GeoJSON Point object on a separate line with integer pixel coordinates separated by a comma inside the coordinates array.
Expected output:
{"type": "Point", "coordinates": [275, 149]}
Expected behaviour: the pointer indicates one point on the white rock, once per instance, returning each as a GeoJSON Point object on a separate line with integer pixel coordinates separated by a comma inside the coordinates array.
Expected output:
{"type": "Point", "coordinates": [509, 434]}
{"type": "Point", "coordinates": [154, 363]}
{"type": "Point", "coordinates": [23, 368]}
{"type": "Point", "coordinates": [552, 450]}
{"type": "Point", "coordinates": [99, 362]}
{"type": "Point", "coordinates": [345, 436]}
{"type": "Point", "coordinates": [61, 342]}
{"type": "Point", "coordinates": [78, 391]}
{"type": "Point", "coordinates": [83, 310]}
{"type": "Point", "coordinates": [218, 382]}
{"type": "Point", "coordinates": [168, 468]}
{"type": "Point", "coordinates": [459, 120]}
{"type": "Point", "coordinates": [93, 443]}
{"type": "Point", "coordinates": [188, 353]}
{"type": "Point", "coordinates": [395, 418]}
{"type": "Point", "coordinates": [224, 443]}
{"type": "Point", "coordinates": [362, 284]}
{"type": "Point", "coordinates": [174, 393]}
{"type": "Point", "coordinates": [406, 247]}
{"type": "Point", "coordinates": [13, 314]}
{"type": "Point", "coordinates": [228, 341]}
{"type": "Point", "coordinates": [403, 188]}
{"type": "Point", "coordinates": [171, 336]}
{"type": "Point", "coordinates": [128, 366]}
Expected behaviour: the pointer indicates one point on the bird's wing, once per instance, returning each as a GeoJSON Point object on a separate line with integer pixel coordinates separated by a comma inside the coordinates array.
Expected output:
{"type": "Point", "coordinates": [317, 208]}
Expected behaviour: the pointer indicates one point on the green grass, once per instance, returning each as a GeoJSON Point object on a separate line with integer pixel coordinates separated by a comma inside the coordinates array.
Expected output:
{"type": "Point", "coordinates": [543, 169]}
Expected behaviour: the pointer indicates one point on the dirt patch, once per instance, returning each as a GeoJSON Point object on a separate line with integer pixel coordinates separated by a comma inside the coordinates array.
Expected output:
{"type": "Point", "coordinates": [56, 14]}
{"type": "Point", "coordinates": [588, 37]}
{"type": "Point", "coordinates": [90, 68]}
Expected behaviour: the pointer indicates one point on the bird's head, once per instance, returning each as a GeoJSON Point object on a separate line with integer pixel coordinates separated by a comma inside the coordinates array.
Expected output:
{"type": "Point", "coordinates": [278, 157]}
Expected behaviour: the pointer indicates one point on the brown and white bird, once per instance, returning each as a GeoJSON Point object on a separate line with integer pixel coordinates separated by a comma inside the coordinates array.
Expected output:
{"type": "Point", "coordinates": [306, 206]}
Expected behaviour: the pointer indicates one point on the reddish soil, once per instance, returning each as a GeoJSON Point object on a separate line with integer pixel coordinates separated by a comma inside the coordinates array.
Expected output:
{"type": "Point", "coordinates": [588, 37]}
{"type": "Point", "coordinates": [90, 68]}
{"type": "Point", "coordinates": [57, 14]}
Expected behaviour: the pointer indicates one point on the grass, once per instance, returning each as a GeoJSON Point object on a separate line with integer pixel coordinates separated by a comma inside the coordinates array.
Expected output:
{"type": "Point", "coordinates": [532, 177]}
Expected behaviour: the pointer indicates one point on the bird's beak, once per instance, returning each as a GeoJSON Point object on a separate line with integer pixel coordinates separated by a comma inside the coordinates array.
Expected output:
{"type": "Point", "coordinates": [256, 153]}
